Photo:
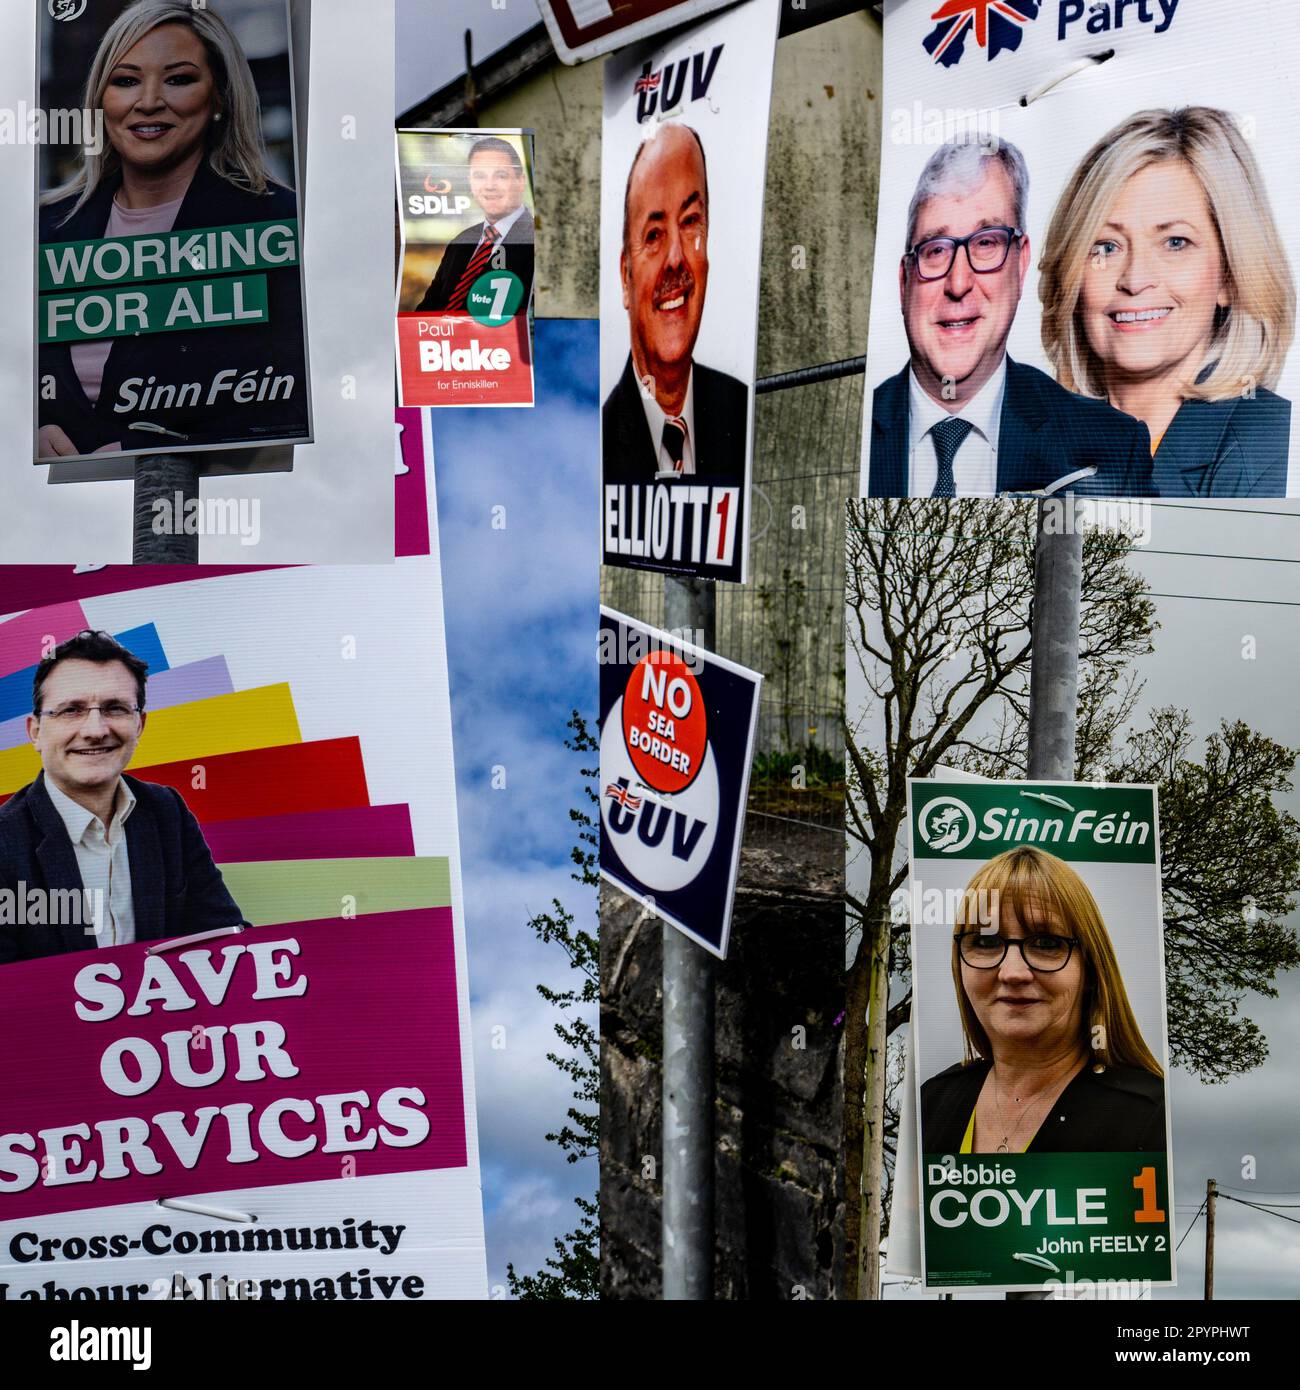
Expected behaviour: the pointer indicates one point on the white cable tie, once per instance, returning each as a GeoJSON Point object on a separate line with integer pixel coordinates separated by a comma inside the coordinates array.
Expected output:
{"type": "Point", "coordinates": [1036, 1260]}
{"type": "Point", "coordinates": [199, 1209]}
{"type": "Point", "coordinates": [1050, 799]}
{"type": "Point", "coordinates": [1063, 482]}
{"type": "Point", "coordinates": [179, 943]}
{"type": "Point", "coordinates": [1078, 65]}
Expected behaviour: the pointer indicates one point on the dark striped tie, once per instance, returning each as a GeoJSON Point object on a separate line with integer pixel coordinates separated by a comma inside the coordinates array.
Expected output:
{"type": "Point", "coordinates": [477, 265]}
{"type": "Point", "coordinates": [674, 440]}
{"type": "Point", "coordinates": [948, 436]}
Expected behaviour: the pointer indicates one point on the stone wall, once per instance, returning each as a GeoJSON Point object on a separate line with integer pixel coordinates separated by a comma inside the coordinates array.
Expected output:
{"type": "Point", "coordinates": [779, 1204]}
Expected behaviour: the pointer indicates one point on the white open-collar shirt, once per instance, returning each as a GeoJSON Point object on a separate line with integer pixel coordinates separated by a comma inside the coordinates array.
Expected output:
{"type": "Point", "coordinates": [103, 860]}
{"type": "Point", "coordinates": [975, 466]}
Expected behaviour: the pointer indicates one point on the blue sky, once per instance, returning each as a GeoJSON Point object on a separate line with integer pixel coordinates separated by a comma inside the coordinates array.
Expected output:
{"type": "Point", "coordinates": [521, 609]}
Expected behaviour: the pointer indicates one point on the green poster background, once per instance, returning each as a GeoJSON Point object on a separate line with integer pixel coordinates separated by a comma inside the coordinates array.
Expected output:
{"type": "Point", "coordinates": [975, 1255]}
{"type": "Point", "coordinates": [217, 301]}
{"type": "Point", "coordinates": [1113, 824]}
{"type": "Point", "coordinates": [192, 255]}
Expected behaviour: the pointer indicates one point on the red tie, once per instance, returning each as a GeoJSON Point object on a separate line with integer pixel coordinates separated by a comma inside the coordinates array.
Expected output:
{"type": "Point", "coordinates": [477, 264]}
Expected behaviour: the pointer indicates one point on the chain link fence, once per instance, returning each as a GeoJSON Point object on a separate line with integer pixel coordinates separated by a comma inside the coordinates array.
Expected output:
{"type": "Point", "coordinates": [788, 621]}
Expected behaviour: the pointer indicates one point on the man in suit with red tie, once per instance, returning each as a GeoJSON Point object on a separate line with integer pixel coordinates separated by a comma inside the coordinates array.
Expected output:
{"type": "Point", "coordinates": [502, 241]}
{"type": "Point", "coordinates": [670, 416]}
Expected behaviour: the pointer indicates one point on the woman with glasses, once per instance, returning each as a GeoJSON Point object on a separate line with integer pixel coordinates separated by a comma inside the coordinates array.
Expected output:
{"type": "Point", "coordinates": [1055, 1061]}
{"type": "Point", "coordinates": [1167, 291]}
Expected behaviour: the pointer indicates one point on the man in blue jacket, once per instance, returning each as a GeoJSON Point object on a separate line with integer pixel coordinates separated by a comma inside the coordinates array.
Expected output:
{"type": "Point", "coordinates": [113, 859]}
{"type": "Point", "coordinates": [963, 419]}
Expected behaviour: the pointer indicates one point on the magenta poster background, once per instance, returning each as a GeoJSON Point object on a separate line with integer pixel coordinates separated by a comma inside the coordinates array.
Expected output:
{"type": "Point", "coordinates": [379, 1011]}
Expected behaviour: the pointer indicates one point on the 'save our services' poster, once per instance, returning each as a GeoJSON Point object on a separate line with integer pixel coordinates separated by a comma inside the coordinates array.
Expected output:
{"type": "Point", "coordinates": [243, 1069]}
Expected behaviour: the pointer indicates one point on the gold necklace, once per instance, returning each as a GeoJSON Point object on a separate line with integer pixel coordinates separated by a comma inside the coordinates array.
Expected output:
{"type": "Point", "coordinates": [1007, 1136]}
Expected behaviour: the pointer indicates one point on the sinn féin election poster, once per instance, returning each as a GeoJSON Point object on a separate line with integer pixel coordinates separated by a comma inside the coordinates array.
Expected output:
{"type": "Point", "coordinates": [169, 285]}
{"type": "Point", "coordinates": [1038, 1036]}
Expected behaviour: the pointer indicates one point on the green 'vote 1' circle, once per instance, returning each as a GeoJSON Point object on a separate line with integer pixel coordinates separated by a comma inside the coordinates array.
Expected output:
{"type": "Point", "coordinates": [494, 298]}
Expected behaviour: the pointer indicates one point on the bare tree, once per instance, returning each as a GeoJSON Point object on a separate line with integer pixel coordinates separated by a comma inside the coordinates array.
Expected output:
{"type": "Point", "coordinates": [941, 630]}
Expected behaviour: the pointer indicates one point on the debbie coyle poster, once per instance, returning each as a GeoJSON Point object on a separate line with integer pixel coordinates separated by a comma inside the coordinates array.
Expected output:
{"type": "Point", "coordinates": [1085, 273]}
{"type": "Point", "coordinates": [247, 1072]}
{"type": "Point", "coordinates": [684, 148]}
{"type": "Point", "coordinates": [169, 290]}
{"type": "Point", "coordinates": [1039, 1040]}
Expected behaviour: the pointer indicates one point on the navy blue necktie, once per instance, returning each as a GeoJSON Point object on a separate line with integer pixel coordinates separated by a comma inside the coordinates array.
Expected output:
{"type": "Point", "coordinates": [948, 436]}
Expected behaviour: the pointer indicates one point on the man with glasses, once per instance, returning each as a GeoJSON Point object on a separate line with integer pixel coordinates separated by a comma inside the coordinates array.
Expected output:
{"type": "Point", "coordinates": [962, 419]}
{"type": "Point", "coordinates": [130, 851]}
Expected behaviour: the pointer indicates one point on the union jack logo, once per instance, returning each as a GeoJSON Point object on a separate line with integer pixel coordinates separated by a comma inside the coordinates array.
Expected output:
{"type": "Point", "coordinates": [648, 80]}
{"type": "Point", "coordinates": [624, 797]}
{"type": "Point", "coordinates": [997, 24]}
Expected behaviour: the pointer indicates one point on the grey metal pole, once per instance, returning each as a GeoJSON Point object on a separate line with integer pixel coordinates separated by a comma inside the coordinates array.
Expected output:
{"type": "Point", "coordinates": [158, 532]}
{"type": "Point", "coordinates": [1054, 667]}
{"type": "Point", "coordinates": [1054, 670]}
{"type": "Point", "coordinates": [688, 1235]}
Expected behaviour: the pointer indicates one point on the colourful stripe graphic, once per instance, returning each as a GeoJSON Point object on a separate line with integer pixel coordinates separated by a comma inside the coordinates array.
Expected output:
{"type": "Point", "coordinates": [326, 775]}
{"type": "Point", "coordinates": [31, 586]}
{"type": "Point", "coordinates": [16, 687]}
{"type": "Point", "coordinates": [369, 831]}
{"type": "Point", "coordinates": [200, 680]}
{"type": "Point", "coordinates": [296, 890]}
{"type": "Point", "coordinates": [205, 729]}
{"type": "Point", "coordinates": [25, 639]}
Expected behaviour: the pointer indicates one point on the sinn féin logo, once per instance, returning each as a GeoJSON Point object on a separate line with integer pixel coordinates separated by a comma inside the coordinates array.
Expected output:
{"type": "Point", "coordinates": [997, 25]}
{"type": "Point", "coordinates": [946, 825]}
{"type": "Point", "coordinates": [67, 9]}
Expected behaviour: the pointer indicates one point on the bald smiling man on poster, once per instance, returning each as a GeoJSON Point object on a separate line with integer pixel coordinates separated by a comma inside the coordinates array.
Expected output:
{"type": "Point", "coordinates": [670, 415]}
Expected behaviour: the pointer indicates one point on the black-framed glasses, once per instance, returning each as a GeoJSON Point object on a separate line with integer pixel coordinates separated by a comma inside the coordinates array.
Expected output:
{"type": "Point", "coordinates": [986, 251]}
{"type": "Point", "coordinates": [75, 713]}
{"type": "Point", "coordinates": [1042, 953]}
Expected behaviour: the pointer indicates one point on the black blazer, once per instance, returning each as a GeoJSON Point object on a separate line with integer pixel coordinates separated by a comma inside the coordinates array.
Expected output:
{"type": "Point", "coordinates": [518, 246]}
{"type": "Point", "coordinates": [176, 889]}
{"type": "Point", "coordinates": [187, 355]}
{"type": "Point", "coordinates": [1045, 433]}
{"type": "Point", "coordinates": [721, 419]}
{"type": "Point", "coordinates": [1118, 1110]}
{"type": "Point", "coordinates": [1233, 448]}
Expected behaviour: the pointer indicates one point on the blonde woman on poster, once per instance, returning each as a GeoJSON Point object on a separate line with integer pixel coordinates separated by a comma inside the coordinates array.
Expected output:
{"type": "Point", "coordinates": [1055, 1061]}
{"type": "Point", "coordinates": [1167, 291]}
{"type": "Point", "coordinates": [962, 418]}
{"type": "Point", "coordinates": [184, 151]}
